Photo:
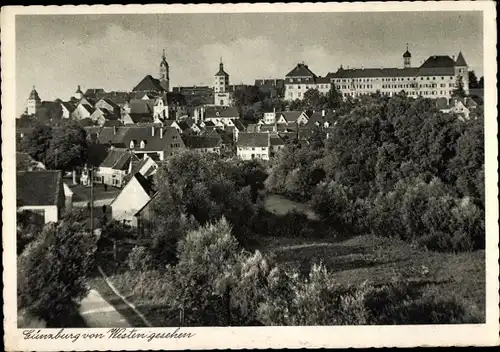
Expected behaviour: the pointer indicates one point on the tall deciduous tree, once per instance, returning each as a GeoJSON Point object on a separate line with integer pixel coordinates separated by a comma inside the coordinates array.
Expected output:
{"type": "Point", "coordinates": [334, 98]}
{"type": "Point", "coordinates": [459, 91]}
{"type": "Point", "coordinates": [314, 100]}
{"type": "Point", "coordinates": [52, 272]}
{"type": "Point", "coordinates": [37, 143]}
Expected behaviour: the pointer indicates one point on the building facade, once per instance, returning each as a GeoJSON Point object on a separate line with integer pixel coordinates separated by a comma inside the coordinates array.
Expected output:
{"type": "Point", "coordinates": [437, 77]}
{"type": "Point", "coordinates": [34, 102]}
{"type": "Point", "coordinates": [222, 96]}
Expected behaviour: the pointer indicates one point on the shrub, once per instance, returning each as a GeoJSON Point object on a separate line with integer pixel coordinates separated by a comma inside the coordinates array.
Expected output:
{"type": "Point", "coordinates": [140, 259]}
{"type": "Point", "coordinates": [316, 300]}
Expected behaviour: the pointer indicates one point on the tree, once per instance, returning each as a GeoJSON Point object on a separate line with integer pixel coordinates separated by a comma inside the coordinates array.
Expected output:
{"type": "Point", "coordinates": [68, 147]}
{"type": "Point", "coordinates": [52, 273]}
{"type": "Point", "coordinates": [37, 143]}
{"type": "Point", "coordinates": [459, 91]}
{"type": "Point", "coordinates": [334, 98]}
{"type": "Point", "coordinates": [473, 81]}
{"type": "Point", "coordinates": [314, 100]}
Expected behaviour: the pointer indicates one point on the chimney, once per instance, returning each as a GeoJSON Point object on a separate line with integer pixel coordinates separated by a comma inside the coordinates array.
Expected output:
{"type": "Point", "coordinates": [323, 112]}
{"type": "Point", "coordinates": [161, 132]}
{"type": "Point", "coordinates": [152, 130]}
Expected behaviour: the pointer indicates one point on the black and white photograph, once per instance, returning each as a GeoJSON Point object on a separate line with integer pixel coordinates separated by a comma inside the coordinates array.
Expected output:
{"type": "Point", "coordinates": [178, 170]}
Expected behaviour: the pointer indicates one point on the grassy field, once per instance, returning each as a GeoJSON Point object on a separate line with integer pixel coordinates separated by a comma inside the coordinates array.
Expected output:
{"type": "Point", "coordinates": [379, 261]}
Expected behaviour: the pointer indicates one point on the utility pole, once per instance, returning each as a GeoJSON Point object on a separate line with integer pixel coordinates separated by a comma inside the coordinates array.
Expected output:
{"type": "Point", "coordinates": [91, 176]}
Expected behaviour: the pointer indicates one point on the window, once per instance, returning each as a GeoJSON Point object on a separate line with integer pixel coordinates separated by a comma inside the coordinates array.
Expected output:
{"type": "Point", "coordinates": [131, 145]}
{"type": "Point", "coordinates": [300, 94]}
{"type": "Point", "coordinates": [298, 87]}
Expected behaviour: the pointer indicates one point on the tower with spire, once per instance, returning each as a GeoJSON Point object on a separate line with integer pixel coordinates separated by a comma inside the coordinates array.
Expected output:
{"type": "Point", "coordinates": [407, 58]}
{"type": "Point", "coordinates": [78, 94]}
{"type": "Point", "coordinates": [164, 73]}
{"type": "Point", "coordinates": [462, 70]}
{"type": "Point", "coordinates": [221, 86]}
{"type": "Point", "coordinates": [34, 102]}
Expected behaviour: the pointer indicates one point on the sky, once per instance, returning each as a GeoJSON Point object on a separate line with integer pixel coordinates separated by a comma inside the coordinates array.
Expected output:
{"type": "Point", "coordinates": [56, 53]}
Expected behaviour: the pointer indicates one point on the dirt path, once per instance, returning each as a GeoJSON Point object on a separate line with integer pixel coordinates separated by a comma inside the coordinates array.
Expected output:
{"type": "Point", "coordinates": [98, 313]}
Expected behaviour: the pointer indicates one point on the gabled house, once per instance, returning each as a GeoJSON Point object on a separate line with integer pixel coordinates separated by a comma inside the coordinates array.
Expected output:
{"type": "Point", "coordinates": [42, 193]}
{"type": "Point", "coordinates": [253, 146]}
{"type": "Point", "coordinates": [24, 162]}
{"type": "Point", "coordinates": [138, 111]}
{"type": "Point", "coordinates": [221, 114]}
{"type": "Point", "coordinates": [134, 196]}
{"type": "Point", "coordinates": [101, 116]}
{"type": "Point", "coordinates": [160, 108]}
{"type": "Point", "coordinates": [67, 109]}
{"type": "Point", "coordinates": [323, 119]}
{"type": "Point", "coordinates": [292, 117]}
{"type": "Point", "coordinates": [203, 144]}
{"type": "Point", "coordinates": [153, 140]}
{"type": "Point", "coordinates": [114, 168]}
{"type": "Point", "coordinates": [82, 111]}
{"type": "Point", "coordinates": [109, 105]}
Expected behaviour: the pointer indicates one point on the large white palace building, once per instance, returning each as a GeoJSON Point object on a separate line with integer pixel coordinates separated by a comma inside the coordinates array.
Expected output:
{"type": "Point", "coordinates": [437, 77]}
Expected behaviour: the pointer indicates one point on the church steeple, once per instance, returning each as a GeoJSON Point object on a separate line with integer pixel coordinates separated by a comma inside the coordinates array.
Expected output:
{"type": "Point", "coordinates": [34, 102]}
{"type": "Point", "coordinates": [164, 72]}
{"type": "Point", "coordinates": [407, 58]}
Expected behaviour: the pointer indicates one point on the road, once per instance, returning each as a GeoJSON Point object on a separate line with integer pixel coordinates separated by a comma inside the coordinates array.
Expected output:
{"type": "Point", "coordinates": [98, 313]}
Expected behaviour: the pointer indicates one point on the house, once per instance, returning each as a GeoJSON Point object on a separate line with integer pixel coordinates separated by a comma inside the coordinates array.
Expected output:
{"type": "Point", "coordinates": [109, 105]}
{"type": "Point", "coordinates": [153, 141]}
{"type": "Point", "coordinates": [221, 114]}
{"type": "Point", "coordinates": [134, 196]}
{"type": "Point", "coordinates": [24, 162]}
{"type": "Point", "coordinates": [146, 166]}
{"type": "Point", "coordinates": [67, 109]}
{"type": "Point", "coordinates": [149, 84]}
{"type": "Point", "coordinates": [321, 118]}
{"type": "Point", "coordinates": [203, 144]}
{"type": "Point", "coordinates": [292, 117]}
{"type": "Point", "coordinates": [138, 111]}
{"type": "Point", "coordinates": [101, 116]}
{"type": "Point", "coordinates": [253, 146]}
{"type": "Point", "coordinates": [114, 168]}
{"type": "Point", "coordinates": [41, 192]}
{"type": "Point", "coordinates": [82, 111]}
{"type": "Point", "coordinates": [463, 108]}
{"type": "Point", "coordinates": [145, 218]}
{"type": "Point", "coordinates": [276, 144]}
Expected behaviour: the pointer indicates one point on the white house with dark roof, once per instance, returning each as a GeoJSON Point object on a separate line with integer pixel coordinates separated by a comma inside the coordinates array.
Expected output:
{"type": "Point", "coordinates": [67, 109]}
{"type": "Point", "coordinates": [114, 168]}
{"type": "Point", "coordinates": [253, 146]}
{"type": "Point", "coordinates": [221, 114]}
{"type": "Point", "coordinates": [82, 111]}
{"type": "Point", "coordinates": [134, 196]}
{"type": "Point", "coordinates": [42, 193]}
{"type": "Point", "coordinates": [292, 117]}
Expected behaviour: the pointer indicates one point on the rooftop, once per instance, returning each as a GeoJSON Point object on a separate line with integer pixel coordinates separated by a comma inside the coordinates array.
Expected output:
{"type": "Point", "coordinates": [38, 187]}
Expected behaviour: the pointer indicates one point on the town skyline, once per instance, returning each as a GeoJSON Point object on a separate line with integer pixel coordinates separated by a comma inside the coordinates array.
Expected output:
{"type": "Point", "coordinates": [114, 52]}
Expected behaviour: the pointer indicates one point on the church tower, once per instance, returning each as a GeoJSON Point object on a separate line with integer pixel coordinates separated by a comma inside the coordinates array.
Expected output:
{"type": "Point", "coordinates": [34, 102]}
{"type": "Point", "coordinates": [164, 73]}
{"type": "Point", "coordinates": [221, 87]}
{"type": "Point", "coordinates": [407, 58]}
{"type": "Point", "coordinates": [78, 94]}
{"type": "Point", "coordinates": [462, 70]}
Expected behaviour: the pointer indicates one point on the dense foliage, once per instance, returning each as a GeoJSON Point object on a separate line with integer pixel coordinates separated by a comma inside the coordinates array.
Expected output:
{"type": "Point", "coordinates": [52, 272]}
{"type": "Point", "coordinates": [378, 152]}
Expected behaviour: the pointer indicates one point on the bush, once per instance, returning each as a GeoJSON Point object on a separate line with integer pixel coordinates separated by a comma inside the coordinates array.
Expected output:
{"type": "Point", "coordinates": [139, 259]}
{"type": "Point", "coordinates": [316, 300]}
